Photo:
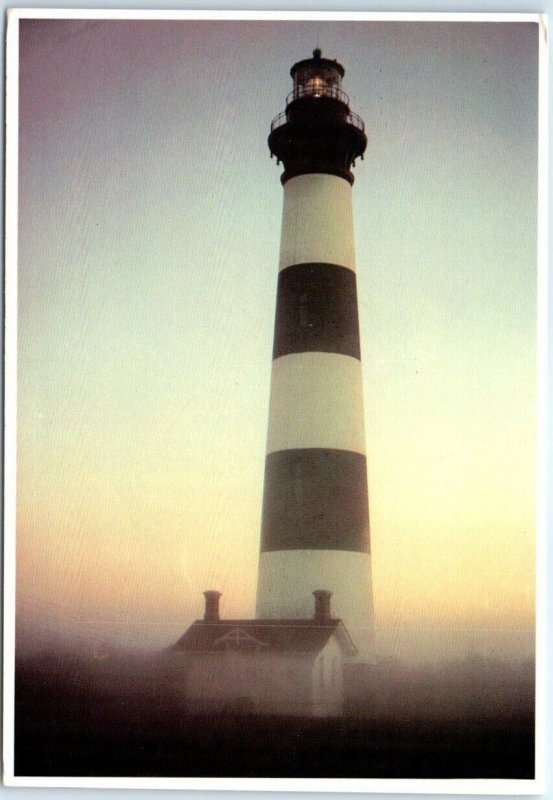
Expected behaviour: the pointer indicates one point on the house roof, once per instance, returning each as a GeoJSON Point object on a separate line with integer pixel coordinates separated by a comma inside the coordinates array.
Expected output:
{"type": "Point", "coordinates": [268, 635]}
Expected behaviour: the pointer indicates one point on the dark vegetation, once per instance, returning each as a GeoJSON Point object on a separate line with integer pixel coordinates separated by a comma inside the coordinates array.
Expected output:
{"type": "Point", "coordinates": [121, 715]}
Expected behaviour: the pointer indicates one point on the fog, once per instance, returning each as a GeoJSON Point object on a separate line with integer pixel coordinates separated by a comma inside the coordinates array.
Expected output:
{"type": "Point", "coordinates": [468, 685]}
{"type": "Point", "coordinates": [99, 709]}
{"type": "Point", "coordinates": [415, 645]}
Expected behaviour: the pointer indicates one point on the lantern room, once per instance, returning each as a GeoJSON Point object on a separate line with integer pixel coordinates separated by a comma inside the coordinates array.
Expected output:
{"type": "Point", "coordinates": [317, 77]}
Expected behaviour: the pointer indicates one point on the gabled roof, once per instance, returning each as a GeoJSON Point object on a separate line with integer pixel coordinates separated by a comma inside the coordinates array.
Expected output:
{"type": "Point", "coordinates": [265, 635]}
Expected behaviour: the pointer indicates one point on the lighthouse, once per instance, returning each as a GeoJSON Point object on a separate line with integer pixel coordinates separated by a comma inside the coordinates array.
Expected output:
{"type": "Point", "coordinates": [315, 518]}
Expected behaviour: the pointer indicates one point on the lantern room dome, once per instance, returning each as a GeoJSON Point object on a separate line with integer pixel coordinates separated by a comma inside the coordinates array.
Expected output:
{"type": "Point", "coordinates": [317, 62]}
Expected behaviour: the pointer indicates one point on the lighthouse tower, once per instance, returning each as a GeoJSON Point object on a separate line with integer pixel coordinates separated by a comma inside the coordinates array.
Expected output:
{"type": "Point", "coordinates": [315, 522]}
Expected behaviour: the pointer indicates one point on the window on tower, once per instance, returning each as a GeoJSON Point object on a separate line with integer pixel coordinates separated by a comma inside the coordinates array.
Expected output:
{"type": "Point", "coordinates": [304, 310]}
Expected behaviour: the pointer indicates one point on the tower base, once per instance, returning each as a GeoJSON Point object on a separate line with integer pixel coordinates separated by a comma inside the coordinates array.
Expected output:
{"type": "Point", "coordinates": [287, 579]}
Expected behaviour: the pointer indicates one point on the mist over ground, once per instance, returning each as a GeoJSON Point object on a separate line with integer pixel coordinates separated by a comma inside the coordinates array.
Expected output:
{"type": "Point", "coordinates": [103, 710]}
{"type": "Point", "coordinates": [418, 644]}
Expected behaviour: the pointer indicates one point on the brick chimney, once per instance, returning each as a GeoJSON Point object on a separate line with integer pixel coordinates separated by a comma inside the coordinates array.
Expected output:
{"type": "Point", "coordinates": [211, 613]}
{"type": "Point", "coordinates": [322, 605]}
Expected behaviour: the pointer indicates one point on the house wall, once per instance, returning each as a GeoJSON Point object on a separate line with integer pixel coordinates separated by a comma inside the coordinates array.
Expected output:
{"type": "Point", "coordinates": [298, 684]}
{"type": "Point", "coordinates": [176, 666]}
{"type": "Point", "coordinates": [256, 682]}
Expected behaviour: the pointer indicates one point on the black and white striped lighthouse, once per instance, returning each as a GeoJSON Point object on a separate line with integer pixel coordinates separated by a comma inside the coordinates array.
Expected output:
{"type": "Point", "coordinates": [315, 522]}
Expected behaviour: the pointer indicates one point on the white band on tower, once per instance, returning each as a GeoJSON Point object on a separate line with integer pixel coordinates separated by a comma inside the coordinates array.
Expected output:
{"type": "Point", "coordinates": [317, 221]}
{"type": "Point", "coordinates": [309, 407]}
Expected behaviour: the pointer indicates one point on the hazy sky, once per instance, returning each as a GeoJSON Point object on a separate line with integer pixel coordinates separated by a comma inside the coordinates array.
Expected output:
{"type": "Point", "coordinates": [148, 256]}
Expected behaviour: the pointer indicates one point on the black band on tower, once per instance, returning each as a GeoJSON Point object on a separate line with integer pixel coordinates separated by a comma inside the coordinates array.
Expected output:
{"type": "Point", "coordinates": [316, 311]}
{"type": "Point", "coordinates": [315, 499]}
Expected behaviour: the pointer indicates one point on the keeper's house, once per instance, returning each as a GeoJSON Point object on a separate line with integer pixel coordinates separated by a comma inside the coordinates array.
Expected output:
{"type": "Point", "coordinates": [265, 666]}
